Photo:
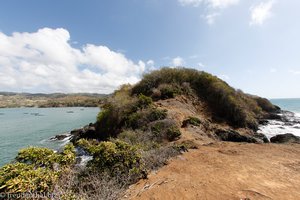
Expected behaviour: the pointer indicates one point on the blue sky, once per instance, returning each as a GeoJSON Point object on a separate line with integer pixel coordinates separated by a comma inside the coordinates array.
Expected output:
{"type": "Point", "coordinates": [94, 46]}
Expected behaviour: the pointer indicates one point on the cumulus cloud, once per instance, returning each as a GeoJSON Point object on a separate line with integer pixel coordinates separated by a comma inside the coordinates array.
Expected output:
{"type": "Point", "coordinates": [178, 61]}
{"type": "Point", "coordinates": [261, 12]}
{"type": "Point", "coordinates": [45, 61]}
{"type": "Point", "coordinates": [214, 7]}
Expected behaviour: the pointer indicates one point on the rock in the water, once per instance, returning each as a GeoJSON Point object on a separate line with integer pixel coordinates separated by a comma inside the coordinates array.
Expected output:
{"type": "Point", "coordinates": [59, 137]}
{"type": "Point", "coordinates": [234, 136]}
{"type": "Point", "coordinates": [285, 138]}
{"type": "Point", "coordinates": [88, 131]}
{"type": "Point", "coordinates": [263, 122]}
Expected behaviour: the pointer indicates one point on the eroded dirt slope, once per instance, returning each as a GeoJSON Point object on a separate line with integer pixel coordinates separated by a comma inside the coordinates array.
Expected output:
{"type": "Point", "coordinates": [221, 170]}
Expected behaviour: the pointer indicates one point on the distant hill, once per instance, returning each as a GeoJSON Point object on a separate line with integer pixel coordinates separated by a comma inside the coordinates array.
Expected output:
{"type": "Point", "coordinates": [13, 100]}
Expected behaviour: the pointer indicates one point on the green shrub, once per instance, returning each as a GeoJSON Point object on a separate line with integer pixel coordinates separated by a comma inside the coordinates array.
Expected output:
{"type": "Point", "coordinates": [157, 114]}
{"type": "Point", "coordinates": [266, 105]}
{"type": "Point", "coordinates": [38, 156]}
{"type": "Point", "coordinates": [168, 91]}
{"type": "Point", "coordinates": [137, 120]}
{"type": "Point", "coordinates": [67, 156]}
{"type": "Point", "coordinates": [35, 170]}
{"type": "Point", "coordinates": [191, 120]}
{"type": "Point", "coordinates": [44, 157]}
{"type": "Point", "coordinates": [116, 157]}
{"type": "Point", "coordinates": [115, 112]}
{"type": "Point", "coordinates": [173, 133]}
{"type": "Point", "coordinates": [144, 101]}
{"type": "Point", "coordinates": [164, 130]}
{"type": "Point", "coordinates": [20, 177]}
{"type": "Point", "coordinates": [141, 118]}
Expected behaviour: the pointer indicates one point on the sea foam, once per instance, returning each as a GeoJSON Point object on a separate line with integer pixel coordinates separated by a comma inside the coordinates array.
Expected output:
{"type": "Point", "coordinates": [276, 127]}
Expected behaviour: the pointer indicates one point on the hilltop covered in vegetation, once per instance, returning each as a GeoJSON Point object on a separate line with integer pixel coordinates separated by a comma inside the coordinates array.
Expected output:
{"type": "Point", "coordinates": [140, 128]}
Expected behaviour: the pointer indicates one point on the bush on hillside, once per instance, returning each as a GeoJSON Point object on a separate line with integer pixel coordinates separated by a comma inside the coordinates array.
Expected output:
{"type": "Point", "coordinates": [266, 105]}
{"type": "Point", "coordinates": [124, 111]}
{"type": "Point", "coordinates": [114, 157]}
{"type": "Point", "coordinates": [116, 110]}
{"type": "Point", "coordinates": [44, 157]}
{"type": "Point", "coordinates": [164, 130]}
{"type": "Point", "coordinates": [141, 118]}
{"type": "Point", "coordinates": [21, 177]}
{"type": "Point", "coordinates": [168, 91]}
{"type": "Point", "coordinates": [235, 107]}
{"type": "Point", "coordinates": [191, 120]}
{"type": "Point", "coordinates": [35, 170]}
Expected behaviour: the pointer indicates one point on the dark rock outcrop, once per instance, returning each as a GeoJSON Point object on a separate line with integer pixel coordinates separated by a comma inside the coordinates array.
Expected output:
{"type": "Point", "coordinates": [285, 138]}
{"type": "Point", "coordinates": [234, 136]}
{"type": "Point", "coordinates": [273, 116]}
{"type": "Point", "coordinates": [261, 137]}
{"type": "Point", "coordinates": [263, 122]}
{"type": "Point", "coordinates": [59, 137]}
{"type": "Point", "coordinates": [88, 132]}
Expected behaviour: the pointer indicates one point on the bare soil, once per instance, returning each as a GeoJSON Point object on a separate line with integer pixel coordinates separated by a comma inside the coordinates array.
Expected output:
{"type": "Point", "coordinates": [221, 170]}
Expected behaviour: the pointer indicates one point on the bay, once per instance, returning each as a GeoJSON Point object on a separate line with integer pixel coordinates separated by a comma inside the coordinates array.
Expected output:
{"type": "Point", "coordinates": [23, 127]}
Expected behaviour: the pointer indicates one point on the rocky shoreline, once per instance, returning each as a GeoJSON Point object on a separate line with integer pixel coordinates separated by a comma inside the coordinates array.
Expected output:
{"type": "Point", "coordinates": [282, 118]}
{"type": "Point", "coordinates": [281, 127]}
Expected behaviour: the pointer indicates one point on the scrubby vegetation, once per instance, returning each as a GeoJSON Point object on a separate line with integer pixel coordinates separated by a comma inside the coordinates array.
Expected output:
{"type": "Point", "coordinates": [35, 170]}
{"type": "Point", "coordinates": [132, 137]}
{"type": "Point", "coordinates": [191, 120]}
{"type": "Point", "coordinates": [227, 104]}
{"type": "Point", "coordinates": [116, 158]}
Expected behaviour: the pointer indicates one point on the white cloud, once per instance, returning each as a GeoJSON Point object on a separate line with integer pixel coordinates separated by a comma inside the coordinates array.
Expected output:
{"type": "Point", "coordinates": [261, 12]}
{"type": "Point", "coordinates": [178, 61]}
{"type": "Point", "coordinates": [150, 63]}
{"type": "Point", "coordinates": [214, 7]}
{"type": "Point", "coordinates": [210, 18]}
{"type": "Point", "coordinates": [45, 61]}
{"type": "Point", "coordinates": [210, 3]}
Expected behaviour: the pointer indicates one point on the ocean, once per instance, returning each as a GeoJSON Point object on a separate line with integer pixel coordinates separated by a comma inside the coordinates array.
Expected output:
{"type": "Point", "coordinates": [276, 127]}
{"type": "Point", "coordinates": [23, 127]}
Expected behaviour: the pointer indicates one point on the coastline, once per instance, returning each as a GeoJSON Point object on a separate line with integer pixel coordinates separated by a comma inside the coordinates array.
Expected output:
{"type": "Point", "coordinates": [36, 127]}
{"type": "Point", "coordinates": [16, 100]}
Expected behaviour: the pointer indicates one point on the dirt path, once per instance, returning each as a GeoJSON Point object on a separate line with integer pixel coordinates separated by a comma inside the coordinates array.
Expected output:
{"type": "Point", "coordinates": [226, 171]}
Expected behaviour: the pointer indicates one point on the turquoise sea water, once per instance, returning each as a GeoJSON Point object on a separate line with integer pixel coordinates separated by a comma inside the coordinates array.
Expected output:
{"type": "Point", "coordinates": [292, 105]}
{"type": "Point", "coordinates": [23, 127]}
